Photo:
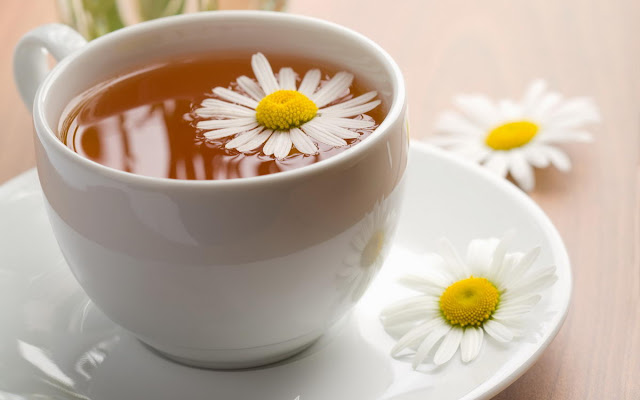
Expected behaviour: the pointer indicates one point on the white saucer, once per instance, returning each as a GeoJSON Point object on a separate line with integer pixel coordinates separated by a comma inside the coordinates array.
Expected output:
{"type": "Point", "coordinates": [55, 344]}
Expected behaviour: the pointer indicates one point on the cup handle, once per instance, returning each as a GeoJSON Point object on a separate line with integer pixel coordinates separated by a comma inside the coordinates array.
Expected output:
{"type": "Point", "coordinates": [30, 64]}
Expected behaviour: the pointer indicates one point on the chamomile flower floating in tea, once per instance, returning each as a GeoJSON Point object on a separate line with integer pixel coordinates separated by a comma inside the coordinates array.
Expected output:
{"type": "Point", "coordinates": [460, 301]}
{"type": "Point", "coordinates": [146, 123]}
{"type": "Point", "coordinates": [368, 249]}
{"type": "Point", "coordinates": [278, 114]}
{"type": "Point", "coordinates": [512, 138]}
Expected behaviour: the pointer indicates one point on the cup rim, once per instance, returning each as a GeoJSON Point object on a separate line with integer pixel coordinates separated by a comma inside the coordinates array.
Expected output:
{"type": "Point", "coordinates": [395, 110]}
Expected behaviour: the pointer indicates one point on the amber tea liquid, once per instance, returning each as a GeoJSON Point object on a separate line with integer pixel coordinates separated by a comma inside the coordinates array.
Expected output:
{"type": "Point", "coordinates": [143, 122]}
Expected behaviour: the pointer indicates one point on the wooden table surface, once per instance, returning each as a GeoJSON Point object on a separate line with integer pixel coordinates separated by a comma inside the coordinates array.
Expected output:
{"type": "Point", "coordinates": [582, 47]}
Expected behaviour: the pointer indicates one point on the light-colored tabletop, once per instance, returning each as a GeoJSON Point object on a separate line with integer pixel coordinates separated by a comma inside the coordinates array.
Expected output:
{"type": "Point", "coordinates": [582, 47]}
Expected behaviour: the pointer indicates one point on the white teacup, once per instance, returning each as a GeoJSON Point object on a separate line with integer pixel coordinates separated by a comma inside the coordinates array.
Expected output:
{"type": "Point", "coordinates": [221, 274]}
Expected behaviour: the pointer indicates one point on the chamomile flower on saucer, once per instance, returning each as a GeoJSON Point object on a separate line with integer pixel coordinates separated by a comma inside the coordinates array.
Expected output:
{"type": "Point", "coordinates": [463, 301]}
{"type": "Point", "coordinates": [508, 137]}
{"type": "Point", "coordinates": [369, 248]}
{"type": "Point", "coordinates": [277, 114]}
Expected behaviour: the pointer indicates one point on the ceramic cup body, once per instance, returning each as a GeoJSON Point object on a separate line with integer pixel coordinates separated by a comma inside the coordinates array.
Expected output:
{"type": "Point", "coordinates": [229, 273]}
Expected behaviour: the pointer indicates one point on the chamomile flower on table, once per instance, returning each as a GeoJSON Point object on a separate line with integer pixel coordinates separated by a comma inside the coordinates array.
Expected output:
{"type": "Point", "coordinates": [513, 138]}
{"type": "Point", "coordinates": [460, 303]}
{"type": "Point", "coordinates": [276, 114]}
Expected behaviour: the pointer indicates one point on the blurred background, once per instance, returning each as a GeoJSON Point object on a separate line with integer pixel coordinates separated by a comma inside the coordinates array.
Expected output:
{"type": "Point", "coordinates": [495, 47]}
{"type": "Point", "coordinates": [94, 18]}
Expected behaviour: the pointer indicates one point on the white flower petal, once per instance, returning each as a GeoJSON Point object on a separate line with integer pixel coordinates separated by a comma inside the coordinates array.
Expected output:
{"type": "Point", "coordinates": [421, 284]}
{"type": "Point", "coordinates": [243, 138]}
{"type": "Point", "coordinates": [348, 122]}
{"type": "Point", "coordinates": [283, 145]}
{"type": "Point", "coordinates": [418, 312]}
{"type": "Point", "coordinates": [509, 262]}
{"type": "Point", "coordinates": [287, 79]}
{"type": "Point", "coordinates": [557, 157]}
{"type": "Point", "coordinates": [209, 102]}
{"type": "Point", "coordinates": [435, 270]}
{"type": "Point", "coordinates": [533, 284]}
{"type": "Point", "coordinates": [515, 301]}
{"type": "Point", "coordinates": [523, 265]}
{"type": "Point", "coordinates": [494, 274]}
{"type": "Point", "coordinates": [520, 267]}
{"type": "Point", "coordinates": [319, 133]}
{"type": "Point", "coordinates": [416, 334]}
{"type": "Point", "coordinates": [455, 124]}
{"type": "Point", "coordinates": [224, 132]}
{"type": "Point", "coordinates": [351, 111]}
{"type": "Point", "coordinates": [451, 257]}
{"type": "Point", "coordinates": [542, 111]}
{"type": "Point", "coordinates": [251, 87]}
{"type": "Point", "coordinates": [552, 136]}
{"type": "Point", "coordinates": [234, 97]}
{"type": "Point", "coordinates": [497, 163]}
{"type": "Point", "coordinates": [405, 303]}
{"type": "Point", "coordinates": [206, 112]}
{"type": "Point", "coordinates": [302, 142]}
{"type": "Point", "coordinates": [406, 319]}
{"type": "Point", "coordinates": [517, 326]}
{"type": "Point", "coordinates": [270, 145]}
{"type": "Point", "coordinates": [220, 108]}
{"type": "Point", "coordinates": [480, 255]}
{"type": "Point", "coordinates": [509, 111]}
{"type": "Point", "coordinates": [256, 141]}
{"type": "Point", "coordinates": [225, 123]}
{"type": "Point", "coordinates": [511, 308]}
{"type": "Point", "coordinates": [429, 342]}
{"type": "Point", "coordinates": [448, 347]}
{"type": "Point", "coordinates": [357, 101]}
{"type": "Point", "coordinates": [333, 90]}
{"type": "Point", "coordinates": [264, 74]}
{"type": "Point", "coordinates": [512, 312]}
{"type": "Point", "coordinates": [574, 113]}
{"type": "Point", "coordinates": [471, 343]}
{"type": "Point", "coordinates": [535, 157]}
{"type": "Point", "coordinates": [498, 331]}
{"type": "Point", "coordinates": [310, 82]}
{"type": "Point", "coordinates": [336, 130]}
{"type": "Point", "coordinates": [480, 110]}
{"type": "Point", "coordinates": [533, 95]}
{"type": "Point", "coordinates": [521, 171]}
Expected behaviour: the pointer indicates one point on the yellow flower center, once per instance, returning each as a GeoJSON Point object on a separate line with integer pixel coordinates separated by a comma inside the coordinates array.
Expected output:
{"type": "Point", "coordinates": [372, 250]}
{"type": "Point", "coordinates": [470, 301]}
{"type": "Point", "coordinates": [285, 109]}
{"type": "Point", "coordinates": [511, 135]}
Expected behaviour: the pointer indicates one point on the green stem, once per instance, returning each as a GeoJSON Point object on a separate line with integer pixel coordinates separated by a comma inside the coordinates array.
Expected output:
{"type": "Point", "coordinates": [152, 9]}
{"type": "Point", "coordinates": [208, 5]}
{"type": "Point", "coordinates": [92, 18]}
